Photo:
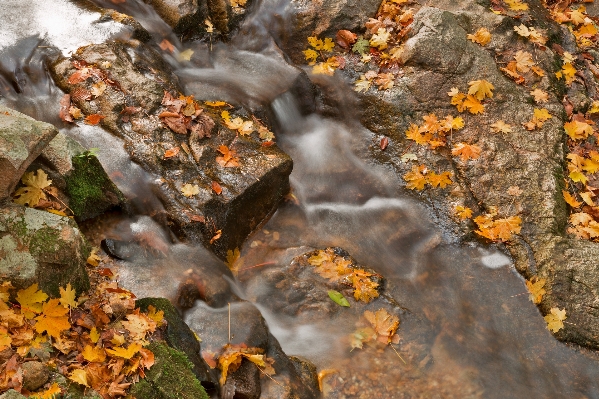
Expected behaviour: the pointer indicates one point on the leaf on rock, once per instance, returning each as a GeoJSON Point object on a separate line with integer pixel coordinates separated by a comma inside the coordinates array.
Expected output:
{"type": "Point", "coordinates": [228, 158]}
{"type": "Point", "coordinates": [189, 190]}
{"type": "Point", "coordinates": [555, 319]}
{"type": "Point", "coordinates": [501, 127]}
{"type": "Point", "coordinates": [463, 212]}
{"type": "Point", "coordinates": [540, 96]}
{"type": "Point", "coordinates": [93, 119]}
{"type": "Point", "coordinates": [416, 180]}
{"type": "Point", "coordinates": [535, 286]}
{"type": "Point", "coordinates": [481, 89]}
{"type": "Point", "coordinates": [466, 151]}
{"type": "Point", "coordinates": [570, 200]}
{"type": "Point", "coordinates": [481, 36]}
{"type": "Point", "coordinates": [33, 192]}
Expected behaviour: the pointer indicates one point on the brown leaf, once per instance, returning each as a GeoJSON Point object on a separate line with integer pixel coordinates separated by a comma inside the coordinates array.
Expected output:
{"type": "Point", "coordinates": [345, 38]}
{"type": "Point", "coordinates": [65, 104]}
{"type": "Point", "coordinates": [218, 234]}
{"type": "Point", "coordinates": [171, 152]}
{"type": "Point", "coordinates": [93, 119]}
{"type": "Point", "coordinates": [384, 143]}
{"type": "Point", "coordinates": [176, 124]}
{"type": "Point", "coordinates": [167, 46]}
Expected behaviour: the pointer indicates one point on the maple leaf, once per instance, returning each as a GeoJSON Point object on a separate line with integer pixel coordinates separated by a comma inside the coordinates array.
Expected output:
{"type": "Point", "coordinates": [228, 158]}
{"type": "Point", "coordinates": [189, 190]}
{"type": "Point", "coordinates": [535, 286]}
{"type": "Point", "coordinates": [481, 36]}
{"type": "Point", "coordinates": [328, 44]}
{"type": "Point", "coordinates": [53, 319]}
{"type": "Point", "coordinates": [384, 324]}
{"type": "Point", "coordinates": [98, 89]}
{"type": "Point", "coordinates": [67, 296]}
{"type": "Point", "coordinates": [93, 258]}
{"type": "Point", "coordinates": [580, 218]}
{"type": "Point", "coordinates": [315, 42]}
{"type": "Point", "coordinates": [139, 325]}
{"type": "Point", "coordinates": [501, 126]}
{"type": "Point", "coordinates": [326, 68]}
{"type": "Point", "coordinates": [234, 261]}
{"type": "Point", "coordinates": [124, 353]}
{"type": "Point", "coordinates": [310, 55]}
{"type": "Point", "coordinates": [568, 72]}
{"type": "Point", "coordinates": [384, 81]}
{"type": "Point", "coordinates": [466, 151]}
{"type": "Point", "coordinates": [413, 133]}
{"type": "Point", "coordinates": [439, 180]}
{"type": "Point", "coordinates": [463, 212]}
{"type": "Point", "coordinates": [31, 300]}
{"type": "Point", "coordinates": [379, 40]}
{"type": "Point", "coordinates": [156, 315]}
{"type": "Point", "coordinates": [79, 376]}
{"type": "Point", "coordinates": [415, 178]}
{"type": "Point", "coordinates": [500, 229]}
{"type": "Point", "coordinates": [172, 152]}
{"type": "Point", "coordinates": [473, 105]}
{"type": "Point", "coordinates": [540, 96]}
{"type": "Point", "coordinates": [481, 89]}
{"type": "Point", "coordinates": [364, 288]}
{"type": "Point", "coordinates": [361, 46]}
{"type": "Point", "coordinates": [33, 192]}
{"type": "Point", "coordinates": [523, 61]}
{"type": "Point", "coordinates": [578, 130]}
{"type": "Point", "coordinates": [75, 112]}
{"type": "Point", "coordinates": [577, 17]}
{"type": "Point", "coordinates": [555, 319]}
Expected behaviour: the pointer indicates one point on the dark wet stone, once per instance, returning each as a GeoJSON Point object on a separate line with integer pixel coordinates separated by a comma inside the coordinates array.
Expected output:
{"type": "Point", "coordinates": [251, 191]}
{"type": "Point", "coordinates": [120, 249]}
{"type": "Point", "coordinates": [41, 247]}
{"type": "Point", "coordinates": [22, 139]}
{"type": "Point", "coordinates": [179, 336]}
{"type": "Point", "coordinates": [243, 383]}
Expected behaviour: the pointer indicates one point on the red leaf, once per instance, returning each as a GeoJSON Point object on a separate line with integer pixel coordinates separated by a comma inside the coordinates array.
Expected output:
{"type": "Point", "coordinates": [216, 188]}
{"type": "Point", "coordinates": [106, 272]}
{"type": "Point", "coordinates": [384, 143]}
{"type": "Point", "coordinates": [65, 104]}
{"type": "Point", "coordinates": [93, 119]}
{"type": "Point", "coordinates": [167, 46]}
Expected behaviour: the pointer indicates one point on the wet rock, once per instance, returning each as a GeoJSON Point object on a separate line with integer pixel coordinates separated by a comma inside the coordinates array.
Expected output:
{"type": "Point", "coordinates": [22, 139]}
{"type": "Point", "coordinates": [180, 337]}
{"type": "Point", "coordinates": [122, 250]}
{"type": "Point", "coordinates": [307, 372]}
{"type": "Point", "coordinates": [35, 374]}
{"type": "Point", "coordinates": [247, 327]}
{"type": "Point", "coordinates": [324, 18]}
{"type": "Point", "coordinates": [78, 175]}
{"type": "Point", "coordinates": [170, 377]}
{"type": "Point", "coordinates": [187, 17]}
{"type": "Point", "coordinates": [41, 247]}
{"type": "Point", "coordinates": [243, 383]}
{"type": "Point", "coordinates": [438, 52]}
{"type": "Point", "coordinates": [250, 192]}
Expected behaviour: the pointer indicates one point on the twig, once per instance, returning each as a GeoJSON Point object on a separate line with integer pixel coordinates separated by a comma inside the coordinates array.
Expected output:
{"type": "Point", "coordinates": [258, 265]}
{"type": "Point", "coordinates": [272, 379]}
{"type": "Point", "coordinates": [397, 353]}
{"type": "Point", "coordinates": [229, 322]}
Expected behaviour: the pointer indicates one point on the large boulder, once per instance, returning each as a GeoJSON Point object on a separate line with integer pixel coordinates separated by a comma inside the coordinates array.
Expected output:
{"type": "Point", "coordinates": [41, 247]}
{"type": "Point", "coordinates": [138, 78]}
{"type": "Point", "coordinates": [22, 139]}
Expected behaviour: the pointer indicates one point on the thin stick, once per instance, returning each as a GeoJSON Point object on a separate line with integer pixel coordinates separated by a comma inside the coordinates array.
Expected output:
{"type": "Point", "coordinates": [523, 293]}
{"type": "Point", "coordinates": [397, 353]}
{"type": "Point", "coordinates": [258, 265]}
{"type": "Point", "coordinates": [229, 322]}
{"type": "Point", "coordinates": [272, 379]}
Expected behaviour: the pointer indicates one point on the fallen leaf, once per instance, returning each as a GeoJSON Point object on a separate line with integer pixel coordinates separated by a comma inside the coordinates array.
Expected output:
{"type": "Point", "coordinates": [501, 127]}
{"type": "Point", "coordinates": [463, 212]}
{"type": "Point", "coordinates": [338, 298]}
{"type": "Point", "coordinates": [172, 152]}
{"type": "Point", "coordinates": [125, 353]}
{"type": "Point", "coordinates": [33, 192]}
{"type": "Point", "coordinates": [216, 188]}
{"type": "Point", "coordinates": [480, 89]}
{"type": "Point", "coordinates": [535, 286]}
{"type": "Point", "coordinates": [93, 119]}
{"type": "Point", "coordinates": [79, 376]}
{"type": "Point", "coordinates": [165, 45]}
{"type": "Point", "coordinates": [555, 319]}
{"type": "Point", "coordinates": [189, 190]}
{"type": "Point", "coordinates": [31, 300]}
{"type": "Point", "coordinates": [481, 36]}
{"type": "Point", "coordinates": [67, 296]}
{"type": "Point", "coordinates": [53, 319]}
{"type": "Point", "coordinates": [466, 151]}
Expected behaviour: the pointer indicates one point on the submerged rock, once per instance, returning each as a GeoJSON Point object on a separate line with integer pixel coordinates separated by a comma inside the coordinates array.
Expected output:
{"type": "Point", "coordinates": [22, 139]}
{"type": "Point", "coordinates": [41, 247]}
{"type": "Point", "coordinates": [227, 202]}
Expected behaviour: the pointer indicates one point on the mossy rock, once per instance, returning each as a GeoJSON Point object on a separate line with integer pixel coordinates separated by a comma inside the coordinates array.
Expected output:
{"type": "Point", "coordinates": [73, 390]}
{"type": "Point", "coordinates": [12, 394]}
{"type": "Point", "coordinates": [171, 377]}
{"type": "Point", "coordinates": [179, 336]}
{"type": "Point", "coordinates": [41, 247]}
{"type": "Point", "coordinates": [90, 190]}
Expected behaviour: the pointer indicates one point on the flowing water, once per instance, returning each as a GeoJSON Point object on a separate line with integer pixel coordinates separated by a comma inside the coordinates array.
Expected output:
{"type": "Point", "coordinates": [468, 328]}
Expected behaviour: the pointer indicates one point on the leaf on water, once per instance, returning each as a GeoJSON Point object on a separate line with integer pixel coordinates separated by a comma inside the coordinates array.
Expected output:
{"type": "Point", "coordinates": [33, 192]}
{"type": "Point", "coordinates": [189, 190]}
{"type": "Point", "coordinates": [555, 319]}
{"type": "Point", "coordinates": [231, 356]}
{"type": "Point", "coordinates": [31, 300]}
{"type": "Point", "coordinates": [535, 286]}
{"type": "Point", "coordinates": [338, 298]}
{"type": "Point", "coordinates": [165, 45]}
{"type": "Point", "coordinates": [481, 36]}
{"type": "Point", "coordinates": [185, 55]}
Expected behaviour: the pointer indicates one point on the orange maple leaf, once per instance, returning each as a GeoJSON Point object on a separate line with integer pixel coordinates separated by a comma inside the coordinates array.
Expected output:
{"type": "Point", "coordinates": [466, 151]}
{"type": "Point", "coordinates": [53, 319]}
{"type": "Point", "coordinates": [228, 158]}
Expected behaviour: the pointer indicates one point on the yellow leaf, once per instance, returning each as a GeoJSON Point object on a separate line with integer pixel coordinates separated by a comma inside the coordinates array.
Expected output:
{"type": "Point", "coordinates": [49, 393]}
{"type": "Point", "coordinates": [473, 104]}
{"type": "Point", "coordinates": [384, 324]}
{"type": "Point", "coordinates": [4, 288]}
{"type": "Point", "coordinates": [33, 192]}
{"type": "Point", "coordinates": [328, 45]}
{"type": "Point", "coordinates": [94, 335]}
{"type": "Point", "coordinates": [310, 55]}
{"type": "Point", "coordinates": [326, 68]}
{"type": "Point", "coordinates": [481, 36]}
{"type": "Point", "coordinates": [185, 55]}
{"type": "Point", "coordinates": [67, 296]}
{"type": "Point", "coordinates": [555, 319]}
{"type": "Point", "coordinates": [379, 40]}
{"type": "Point", "coordinates": [315, 42]}
{"type": "Point", "coordinates": [587, 197]}
{"type": "Point", "coordinates": [578, 177]}
{"type": "Point", "coordinates": [569, 72]}
{"type": "Point", "coordinates": [516, 5]}
{"type": "Point", "coordinates": [53, 319]}
{"type": "Point", "coordinates": [31, 300]}
{"type": "Point", "coordinates": [536, 289]}
{"type": "Point", "coordinates": [439, 180]}
{"type": "Point", "coordinates": [463, 212]}
{"type": "Point", "coordinates": [93, 259]}
{"type": "Point", "coordinates": [523, 61]}
{"type": "Point", "coordinates": [124, 353]}
{"type": "Point", "coordinates": [79, 376]}
{"type": "Point", "coordinates": [570, 200]}
{"type": "Point", "coordinates": [215, 103]}
{"type": "Point", "coordinates": [98, 88]}
{"type": "Point", "coordinates": [541, 114]}
{"type": "Point", "coordinates": [93, 354]}
{"type": "Point", "coordinates": [580, 218]}
{"type": "Point", "coordinates": [540, 96]}
{"type": "Point", "coordinates": [578, 130]}
{"type": "Point", "coordinates": [497, 230]}
{"type": "Point", "coordinates": [225, 115]}
{"type": "Point", "coordinates": [481, 89]}
{"type": "Point", "coordinates": [189, 190]}
{"type": "Point", "coordinates": [415, 178]}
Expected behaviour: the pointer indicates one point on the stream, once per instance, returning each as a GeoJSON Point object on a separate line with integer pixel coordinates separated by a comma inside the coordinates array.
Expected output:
{"type": "Point", "coordinates": [468, 328]}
